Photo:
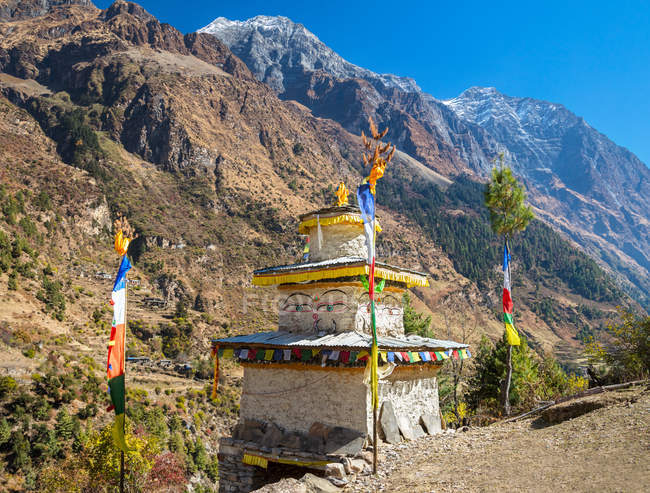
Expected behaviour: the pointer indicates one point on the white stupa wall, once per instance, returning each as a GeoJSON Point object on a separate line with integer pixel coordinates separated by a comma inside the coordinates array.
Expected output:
{"type": "Point", "coordinates": [338, 240]}
{"type": "Point", "coordinates": [331, 308]}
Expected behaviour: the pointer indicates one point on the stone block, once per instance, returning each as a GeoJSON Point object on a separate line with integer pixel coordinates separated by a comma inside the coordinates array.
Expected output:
{"type": "Point", "coordinates": [313, 444]}
{"type": "Point", "coordinates": [388, 422]}
{"type": "Point", "coordinates": [292, 440]}
{"type": "Point", "coordinates": [357, 466]}
{"type": "Point", "coordinates": [335, 470]}
{"type": "Point", "coordinates": [249, 430]}
{"type": "Point", "coordinates": [272, 437]}
{"type": "Point", "coordinates": [431, 423]}
{"type": "Point", "coordinates": [405, 428]}
{"type": "Point", "coordinates": [316, 484]}
{"type": "Point", "coordinates": [418, 432]}
{"type": "Point", "coordinates": [344, 441]}
{"type": "Point", "coordinates": [320, 430]}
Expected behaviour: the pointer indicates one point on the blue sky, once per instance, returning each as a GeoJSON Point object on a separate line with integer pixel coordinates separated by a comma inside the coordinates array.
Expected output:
{"type": "Point", "coordinates": [593, 57]}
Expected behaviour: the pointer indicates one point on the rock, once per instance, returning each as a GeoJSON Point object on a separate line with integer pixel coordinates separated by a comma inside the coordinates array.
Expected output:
{"type": "Point", "coordinates": [356, 466]}
{"type": "Point", "coordinates": [338, 482]}
{"type": "Point", "coordinates": [249, 430]}
{"type": "Point", "coordinates": [315, 484]}
{"type": "Point", "coordinates": [292, 441]}
{"type": "Point", "coordinates": [320, 430]}
{"type": "Point", "coordinates": [272, 437]}
{"type": "Point", "coordinates": [418, 431]}
{"type": "Point", "coordinates": [463, 428]}
{"type": "Point", "coordinates": [286, 485]}
{"type": "Point", "coordinates": [343, 441]}
{"type": "Point", "coordinates": [366, 455]}
{"type": "Point", "coordinates": [335, 469]}
{"type": "Point", "coordinates": [431, 423]}
{"type": "Point", "coordinates": [404, 426]}
{"type": "Point", "coordinates": [313, 444]}
{"type": "Point", "coordinates": [388, 422]}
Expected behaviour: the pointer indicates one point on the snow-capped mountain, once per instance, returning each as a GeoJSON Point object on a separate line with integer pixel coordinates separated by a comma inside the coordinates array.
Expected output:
{"type": "Point", "coordinates": [595, 191]}
{"type": "Point", "coordinates": [275, 47]}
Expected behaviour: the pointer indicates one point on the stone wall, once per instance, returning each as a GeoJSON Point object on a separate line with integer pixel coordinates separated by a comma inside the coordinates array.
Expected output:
{"type": "Point", "coordinates": [330, 308]}
{"type": "Point", "coordinates": [413, 391]}
{"type": "Point", "coordinates": [234, 475]}
{"type": "Point", "coordinates": [296, 398]}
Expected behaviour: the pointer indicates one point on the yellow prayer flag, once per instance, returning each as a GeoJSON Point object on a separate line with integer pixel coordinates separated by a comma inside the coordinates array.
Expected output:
{"type": "Point", "coordinates": [255, 460]}
{"type": "Point", "coordinates": [383, 356]}
{"type": "Point", "coordinates": [227, 353]}
{"type": "Point", "coordinates": [268, 354]}
{"type": "Point", "coordinates": [416, 357]}
{"type": "Point", "coordinates": [512, 336]}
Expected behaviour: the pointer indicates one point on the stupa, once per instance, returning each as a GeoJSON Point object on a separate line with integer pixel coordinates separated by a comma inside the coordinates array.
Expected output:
{"type": "Point", "coordinates": [305, 394]}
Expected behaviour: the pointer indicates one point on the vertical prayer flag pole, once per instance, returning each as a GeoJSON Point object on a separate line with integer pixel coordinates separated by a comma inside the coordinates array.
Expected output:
{"type": "Point", "coordinates": [366, 199]}
{"type": "Point", "coordinates": [117, 343]}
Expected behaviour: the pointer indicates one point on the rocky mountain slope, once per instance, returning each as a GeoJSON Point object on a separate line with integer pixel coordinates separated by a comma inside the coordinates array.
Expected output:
{"type": "Point", "coordinates": [212, 168]}
{"type": "Point", "coordinates": [580, 182]}
{"type": "Point", "coordinates": [577, 175]}
{"type": "Point", "coordinates": [110, 111]}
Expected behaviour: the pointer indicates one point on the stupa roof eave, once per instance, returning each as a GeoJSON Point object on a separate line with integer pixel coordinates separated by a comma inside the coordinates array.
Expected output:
{"type": "Point", "coordinates": [335, 268]}
{"type": "Point", "coordinates": [342, 340]}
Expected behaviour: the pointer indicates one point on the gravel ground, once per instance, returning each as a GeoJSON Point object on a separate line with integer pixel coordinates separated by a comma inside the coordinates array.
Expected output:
{"type": "Point", "coordinates": [606, 450]}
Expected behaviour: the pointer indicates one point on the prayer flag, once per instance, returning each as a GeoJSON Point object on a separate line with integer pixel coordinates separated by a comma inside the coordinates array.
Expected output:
{"type": "Point", "coordinates": [366, 201]}
{"type": "Point", "coordinates": [116, 350]}
{"type": "Point", "coordinates": [512, 336]}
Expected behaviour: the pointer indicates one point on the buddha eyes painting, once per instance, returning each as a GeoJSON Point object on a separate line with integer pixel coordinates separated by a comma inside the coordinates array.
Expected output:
{"type": "Point", "coordinates": [331, 301]}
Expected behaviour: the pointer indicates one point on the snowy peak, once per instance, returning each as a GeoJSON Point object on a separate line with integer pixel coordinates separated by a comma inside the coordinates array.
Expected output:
{"type": "Point", "coordinates": [275, 47]}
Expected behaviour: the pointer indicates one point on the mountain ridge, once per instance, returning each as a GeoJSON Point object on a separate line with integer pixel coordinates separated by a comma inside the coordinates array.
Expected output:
{"type": "Point", "coordinates": [586, 186]}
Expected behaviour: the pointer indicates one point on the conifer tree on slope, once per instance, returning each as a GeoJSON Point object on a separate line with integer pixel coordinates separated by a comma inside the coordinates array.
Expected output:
{"type": "Point", "coordinates": [505, 199]}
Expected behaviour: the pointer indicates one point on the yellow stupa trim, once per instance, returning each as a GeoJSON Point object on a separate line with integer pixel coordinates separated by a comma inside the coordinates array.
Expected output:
{"type": "Point", "coordinates": [340, 219]}
{"type": "Point", "coordinates": [271, 279]}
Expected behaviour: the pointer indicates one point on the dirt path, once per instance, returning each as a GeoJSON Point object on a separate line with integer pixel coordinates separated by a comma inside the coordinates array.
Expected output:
{"type": "Point", "coordinates": [607, 450]}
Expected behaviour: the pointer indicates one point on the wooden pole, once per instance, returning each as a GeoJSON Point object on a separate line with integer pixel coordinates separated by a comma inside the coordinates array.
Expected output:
{"type": "Point", "coordinates": [121, 471]}
{"type": "Point", "coordinates": [506, 385]}
{"type": "Point", "coordinates": [374, 439]}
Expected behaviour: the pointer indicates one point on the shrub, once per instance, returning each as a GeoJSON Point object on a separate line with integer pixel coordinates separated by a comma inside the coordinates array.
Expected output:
{"type": "Point", "coordinates": [533, 379]}
{"type": "Point", "coordinates": [298, 148]}
{"type": "Point", "coordinates": [7, 386]}
{"type": "Point", "coordinates": [626, 356]}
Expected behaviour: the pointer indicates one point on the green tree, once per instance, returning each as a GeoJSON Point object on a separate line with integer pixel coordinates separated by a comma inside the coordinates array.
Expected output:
{"type": "Point", "coordinates": [65, 426]}
{"type": "Point", "coordinates": [5, 431]}
{"type": "Point", "coordinates": [505, 199]}
{"type": "Point", "coordinates": [414, 322]}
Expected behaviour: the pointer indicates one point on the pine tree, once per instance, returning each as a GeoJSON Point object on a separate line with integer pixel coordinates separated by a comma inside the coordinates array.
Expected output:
{"type": "Point", "coordinates": [505, 199]}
